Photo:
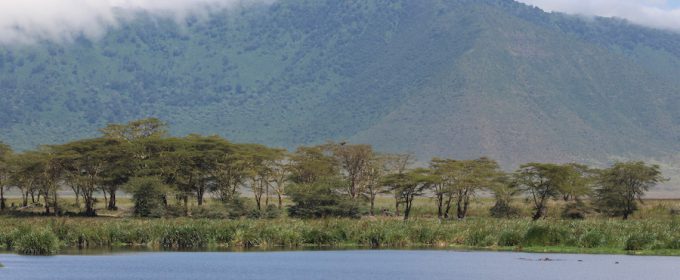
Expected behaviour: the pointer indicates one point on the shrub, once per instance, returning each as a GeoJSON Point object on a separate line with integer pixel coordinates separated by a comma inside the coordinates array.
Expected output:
{"type": "Point", "coordinates": [592, 239]}
{"type": "Point", "coordinates": [575, 210]}
{"type": "Point", "coordinates": [320, 200]}
{"type": "Point", "coordinates": [503, 209]}
{"type": "Point", "coordinates": [541, 235]}
{"type": "Point", "coordinates": [42, 243]}
{"type": "Point", "coordinates": [639, 241]}
{"type": "Point", "coordinates": [149, 196]}
{"type": "Point", "coordinates": [510, 238]}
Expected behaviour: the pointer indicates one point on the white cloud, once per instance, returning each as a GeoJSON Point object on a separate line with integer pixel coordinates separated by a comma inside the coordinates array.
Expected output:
{"type": "Point", "coordinates": [29, 21]}
{"type": "Point", "coordinates": [653, 13]}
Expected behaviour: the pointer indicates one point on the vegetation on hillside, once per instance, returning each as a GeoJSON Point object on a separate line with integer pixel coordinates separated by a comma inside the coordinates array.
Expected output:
{"type": "Point", "coordinates": [495, 77]}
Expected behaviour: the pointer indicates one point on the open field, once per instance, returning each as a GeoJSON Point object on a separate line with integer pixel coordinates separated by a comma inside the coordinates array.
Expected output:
{"type": "Point", "coordinates": [424, 207]}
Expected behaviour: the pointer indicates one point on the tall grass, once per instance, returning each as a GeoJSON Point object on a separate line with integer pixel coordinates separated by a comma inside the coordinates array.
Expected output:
{"type": "Point", "coordinates": [43, 236]}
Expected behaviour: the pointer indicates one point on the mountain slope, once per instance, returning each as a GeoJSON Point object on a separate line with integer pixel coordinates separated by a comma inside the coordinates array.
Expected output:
{"type": "Point", "coordinates": [461, 78]}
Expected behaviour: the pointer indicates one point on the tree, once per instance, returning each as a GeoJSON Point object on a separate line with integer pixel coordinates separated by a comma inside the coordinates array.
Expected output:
{"type": "Point", "coordinates": [149, 195]}
{"type": "Point", "coordinates": [503, 194]}
{"type": "Point", "coordinates": [280, 173]}
{"type": "Point", "coordinates": [130, 136]}
{"type": "Point", "coordinates": [136, 130]}
{"type": "Point", "coordinates": [475, 175]}
{"type": "Point", "coordinates": [446, 172]}
{"type": "Point", "coordinates": [410, 185]}
{"type": "Point", "coordinates": [541, 181]}
{"type": "Point", "coordinates": [5, 153]}
{"type": "Point", "coordinates": [461, 180]}
{"type": "Point", "coordinates": [321, 199]}
{"type": "Point", "coordinates": [355, 163]}
{"type": "Point", "coordinates": [396, 164]}
{"type": "Point", "coordinates": [26, 172]}
{"type": "Point", "coordinates": [86, 163]}
{"type": "Point", "coordinates": [578, 181]}
{"type": "Point", "coordinates": [623, 185]}
{"type": "Point", "coordinates": [49, 172]}
{"type": "Point", "coordinates": [260, 163]}
{"type": "Point", "coordinates": [379, 167]}
{"type": "Point", "coordinates": [310, 164]}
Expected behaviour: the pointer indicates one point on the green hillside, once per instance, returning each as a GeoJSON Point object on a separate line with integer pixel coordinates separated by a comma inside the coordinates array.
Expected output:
{"type": "Point", "coordinates": [460, 78]}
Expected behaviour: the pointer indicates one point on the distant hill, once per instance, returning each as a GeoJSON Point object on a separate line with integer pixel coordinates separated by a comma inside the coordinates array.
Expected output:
{"type": "Point", "coordinates": [461, 78]}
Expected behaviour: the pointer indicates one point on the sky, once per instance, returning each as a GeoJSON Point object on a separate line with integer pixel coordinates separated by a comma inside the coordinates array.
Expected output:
{"type": "Point", "coordinates": [30, 21]}
{"type": "Point", "coordinates": [663, 14]}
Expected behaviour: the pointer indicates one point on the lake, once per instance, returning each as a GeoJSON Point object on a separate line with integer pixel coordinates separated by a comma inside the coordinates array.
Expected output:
{"type": "Point", "coordinates": [359, 264]}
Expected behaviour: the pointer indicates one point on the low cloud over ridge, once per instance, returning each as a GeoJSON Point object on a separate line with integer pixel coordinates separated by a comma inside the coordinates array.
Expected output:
{"type": "Point", "coordinates": [30, 21]}
{"type": "Point", "coordinates": [664, 14]}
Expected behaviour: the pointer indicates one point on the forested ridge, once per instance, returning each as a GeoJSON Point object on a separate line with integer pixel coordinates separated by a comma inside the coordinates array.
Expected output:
{"type": "Point", "coordinates": [461, 79]}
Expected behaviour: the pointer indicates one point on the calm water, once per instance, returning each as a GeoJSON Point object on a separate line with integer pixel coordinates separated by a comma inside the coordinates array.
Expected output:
{"type": "Point", "coordinates": [378, 265]}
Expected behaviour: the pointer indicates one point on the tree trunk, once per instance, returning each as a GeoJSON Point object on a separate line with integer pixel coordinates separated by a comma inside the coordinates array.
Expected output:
{"type": "Point", "coordinates": [461, 212]}
{"type": "Point", "coordinates": [185, 198]}
{"type": "Point", "coordinates": [448, 207]}
{"type": "Point", "coordinates": [280, 201]}
{"type": "Point", "coordinates": [112, 201]}
{"type": "Point", "coordinates": [539, 213]}
{"type": "Point", "coordinates": [106, 199]}
{"type": "Point", "coordinates": [88, 198]}
{"type": "Point", "coordinates": [407, 208]}
{"type": "Point", "coordinates": [199, 195]}
{"type": "Point", "coordinates": [47, 204]}
{"type": "Point", "coordinates": [2, 198]}
{"type": "Point", "coordinates": [440, 206]}
{"type": "Point", "coordinates": [24, 196]}
{"type": "Point", "coordinates": [372, 209]}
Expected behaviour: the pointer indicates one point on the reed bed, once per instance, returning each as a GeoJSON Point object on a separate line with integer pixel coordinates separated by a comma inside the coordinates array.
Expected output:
{"type": "Point", "coordinates": [45, 236]}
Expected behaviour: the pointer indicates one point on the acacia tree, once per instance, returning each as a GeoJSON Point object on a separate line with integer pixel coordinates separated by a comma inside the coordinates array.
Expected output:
{"type": "Point", "coordinates": [355, 163]}
{"type": "Point", "coordinates": [446, 172]}
{"type": "Point", "coordinates": [578, 181]}
{"type": "Point", "coordinates": [379, 167]}
{"type": "Point", "coordinates": [623, 185]}
{"type": "Point", "coordinates": [280, 173]}
{"type": "Point", "coordinates": [129, 154]}
{"type": "Point", "coordinates": [460, 180]}
{"type": "Point", "coordinates": [49, 172]}
{"type": "Point", "coordinates": [409, 185]}
{"type": "Point", "coordinates": [541, 181]}
{"type": "Point", "coordinates": [475, 175]}
{"type": "Point", "coordinates": [25, 169]}
{"type": "Point", "coordinates": [85, 162]}
{"type": "Point", "coordinates": [310, 164]}
{"type": "Point", "coordinates": [396, 164]}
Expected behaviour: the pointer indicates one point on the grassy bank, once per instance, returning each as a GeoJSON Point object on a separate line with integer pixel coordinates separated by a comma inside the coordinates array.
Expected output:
{"type": "Point", "coordinates": [45, 236]}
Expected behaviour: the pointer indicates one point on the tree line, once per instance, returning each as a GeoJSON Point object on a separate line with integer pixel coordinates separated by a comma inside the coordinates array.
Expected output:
{"type": "Point", "coordinates": [163, 173]}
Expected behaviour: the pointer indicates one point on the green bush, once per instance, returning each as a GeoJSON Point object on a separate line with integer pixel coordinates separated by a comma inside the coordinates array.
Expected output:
{"type": "Point", "coordinates": [592, 239]}
{"type": "Point", "coordinates": [576, 211]}
{"type": "Point", "coordinates": [149, 196]}
{"type": "Point", "coordinates": [321, 200]}
{"type": "Point", "coordinates": [510, 238]}
{"type": "Point", "coordinates": [639, 241]}
{"type": "Point", "coordinates": [39, 243]}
